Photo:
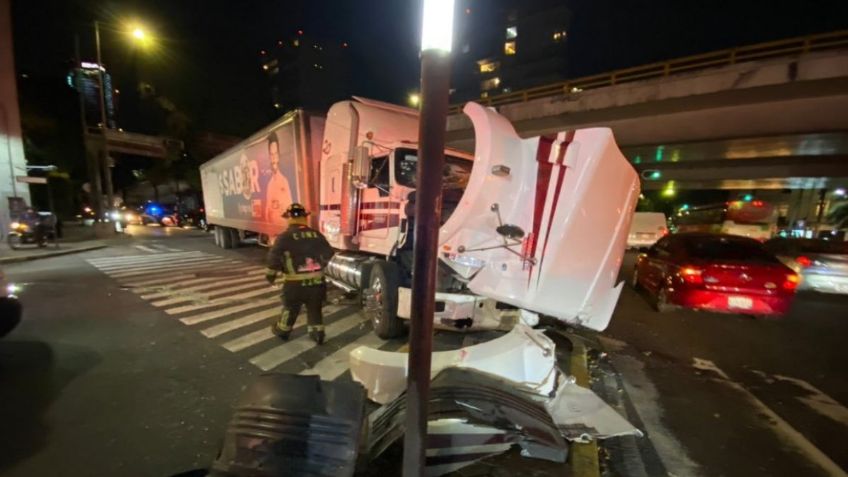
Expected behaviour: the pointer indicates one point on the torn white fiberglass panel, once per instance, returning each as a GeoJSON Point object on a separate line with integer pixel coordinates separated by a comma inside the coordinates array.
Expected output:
{"type": "Point", "coordinates": [543, 222]}
{"type": "Point", "coordinates": [524, 356]}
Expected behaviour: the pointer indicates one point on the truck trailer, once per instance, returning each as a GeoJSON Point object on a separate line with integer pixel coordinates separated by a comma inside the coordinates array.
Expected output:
{"type": "Point", "coordinates": [530, 227]}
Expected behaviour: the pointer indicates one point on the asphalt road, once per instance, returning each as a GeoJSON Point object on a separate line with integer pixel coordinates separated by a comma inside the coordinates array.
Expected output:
{"type": "Point", "coordinates": [115, 372]}
{"type": "Point", "coordinates": [730, 395]}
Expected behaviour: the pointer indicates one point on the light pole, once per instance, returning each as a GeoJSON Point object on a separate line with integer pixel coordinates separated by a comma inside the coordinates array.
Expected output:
{"type": "Point", "coordinates": [436, 38]}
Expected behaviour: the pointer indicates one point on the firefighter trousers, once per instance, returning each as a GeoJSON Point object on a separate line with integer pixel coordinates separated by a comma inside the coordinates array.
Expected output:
{"type": "Point", "coordinates": [297, 295]}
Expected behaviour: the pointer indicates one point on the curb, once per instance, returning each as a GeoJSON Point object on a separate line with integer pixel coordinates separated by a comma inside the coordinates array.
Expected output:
{"type": "Point", "coordinates": [584, 460]}
{"type": "Point", "coordinates": [58, 253]}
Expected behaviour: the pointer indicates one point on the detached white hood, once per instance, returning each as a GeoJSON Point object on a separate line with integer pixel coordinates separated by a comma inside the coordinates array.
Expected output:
{"type": "Point", "coordinates": [572, 194]}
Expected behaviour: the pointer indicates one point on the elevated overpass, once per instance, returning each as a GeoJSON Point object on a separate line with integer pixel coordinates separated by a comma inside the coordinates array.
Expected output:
{"type": "Point", "coordinates": [772, 115]}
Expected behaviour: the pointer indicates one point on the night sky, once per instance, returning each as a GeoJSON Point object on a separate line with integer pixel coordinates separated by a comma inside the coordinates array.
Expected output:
{"type": "Point", "coordinates": [207, 59]}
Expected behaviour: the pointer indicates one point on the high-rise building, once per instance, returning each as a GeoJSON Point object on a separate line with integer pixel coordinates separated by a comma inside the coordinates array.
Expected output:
{"type": "Point", "coordinates": [505, 46]}
{"type": "Point", "coordinates": [306, 72]}
{"type": "Point", "coordinates": [85, 80]}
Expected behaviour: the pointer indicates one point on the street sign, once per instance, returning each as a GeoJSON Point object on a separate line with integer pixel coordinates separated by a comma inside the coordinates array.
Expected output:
{"type": "Point", "coordinates": [31, 180]}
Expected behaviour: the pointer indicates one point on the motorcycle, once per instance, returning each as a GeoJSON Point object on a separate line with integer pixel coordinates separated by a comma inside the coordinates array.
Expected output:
{"type": "Point", "coordinates": [23, 234]}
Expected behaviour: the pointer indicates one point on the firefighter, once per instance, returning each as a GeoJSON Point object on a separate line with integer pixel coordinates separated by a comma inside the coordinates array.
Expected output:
{"type": "Point", "coordinates": [301, 253]}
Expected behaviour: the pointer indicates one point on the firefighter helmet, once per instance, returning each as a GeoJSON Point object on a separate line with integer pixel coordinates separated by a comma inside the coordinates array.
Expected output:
{"type": "Point", "coordinates": [295, 210]}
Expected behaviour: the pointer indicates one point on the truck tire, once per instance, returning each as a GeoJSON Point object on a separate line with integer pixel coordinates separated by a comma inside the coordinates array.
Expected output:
{"type": "Point", "coordinates": [226, 237]}
{"type": "Point", "coordinates": [381, 300]}
{"type": "Point", "coordinates": [235, 238]}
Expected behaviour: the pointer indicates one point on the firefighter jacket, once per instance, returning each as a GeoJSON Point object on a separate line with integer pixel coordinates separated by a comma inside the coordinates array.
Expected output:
{"type": "Point", "coordinates": [301, 253]}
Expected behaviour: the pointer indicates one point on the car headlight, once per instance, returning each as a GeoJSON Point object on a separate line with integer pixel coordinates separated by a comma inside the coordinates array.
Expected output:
{"type": "Point", "coordinates": [115, 215]}
{"type": "Point", "coordinates": [15, 225]}
{"type": "Point", "coordinates": [129, 217]}
{"type": "Point", "coordinates": [12, 289]}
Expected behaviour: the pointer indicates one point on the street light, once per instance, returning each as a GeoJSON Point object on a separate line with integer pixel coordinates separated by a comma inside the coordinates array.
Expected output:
{"type": "Point", "coordinates": [138, 33]}
{"type": "Point", "coordinates": [414, 99]}
{"type": "Point", "coordinates": [436, 39]}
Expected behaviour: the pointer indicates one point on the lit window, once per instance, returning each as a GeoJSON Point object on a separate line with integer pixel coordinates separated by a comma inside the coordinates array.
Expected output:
{"type": "Point", "coordinates": [560, 35]}
{"type": "Point", "coordinates": [511, 32]}
{"type": "Point", "coordinates": [296, 43]}
{"type": "Point", "coordinates": [509, 48]}
{"type": "Point", "coordinates": [488, 66]}
{"type": "Point", "coordinates": [489, 84]}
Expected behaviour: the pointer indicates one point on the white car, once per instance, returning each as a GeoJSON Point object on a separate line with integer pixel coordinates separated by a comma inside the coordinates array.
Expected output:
{"type": "Point", "coordinates": [646, 228]}
{"type": "Point", "coordinates": [822, 264]}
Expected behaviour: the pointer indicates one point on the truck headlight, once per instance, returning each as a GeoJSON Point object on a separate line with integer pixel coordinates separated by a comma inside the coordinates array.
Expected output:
{"type": "Point", "coordinates": [465, 260]}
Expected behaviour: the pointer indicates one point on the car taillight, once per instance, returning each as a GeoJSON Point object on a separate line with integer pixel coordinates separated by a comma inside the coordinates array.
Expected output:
{"type": "Point", "coordinates": [804, 261]}
{"type": "Point", "coordinates": [692, 275]}
{"type": "Point", "coordinates": [791, 282]}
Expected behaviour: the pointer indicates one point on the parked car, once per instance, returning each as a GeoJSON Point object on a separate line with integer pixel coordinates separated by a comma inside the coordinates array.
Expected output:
{"type": "Point", "coordinates": [10, 307]}
{"type": "Point", "coordinates": [717, 272]}
{"type": "Point", "coordinates": [646, 228]}
{"type": "Point", "coordinates": [822, 264]}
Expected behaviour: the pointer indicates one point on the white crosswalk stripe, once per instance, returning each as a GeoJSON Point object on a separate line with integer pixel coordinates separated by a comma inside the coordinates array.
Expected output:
{"type": "Point", "coordinates": [146, 249]}
{"type": "Point", "coordinates": [337, 363]}
{"type": "Point", "coordinates": [229, 301]}
{"type": "Point", "coordinates": [291, 349]}
{"type": "Point", "coordinates": [184, 297]}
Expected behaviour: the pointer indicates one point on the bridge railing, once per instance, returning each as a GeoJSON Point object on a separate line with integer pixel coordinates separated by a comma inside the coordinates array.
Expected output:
{"type": "Point", "coordinates": [730, 56]}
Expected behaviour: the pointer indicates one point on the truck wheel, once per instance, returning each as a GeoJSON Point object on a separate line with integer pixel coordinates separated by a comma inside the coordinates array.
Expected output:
{"type": "Point", "coordinates": [381, 300]}
{"type": "Point", "coordinates": [226, 237]}
{"type": "Point", "coordinates": [235, 239]}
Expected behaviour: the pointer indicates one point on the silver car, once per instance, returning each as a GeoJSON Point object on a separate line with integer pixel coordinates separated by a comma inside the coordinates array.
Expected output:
{"type": "Point", "coordinates": [822, 264]}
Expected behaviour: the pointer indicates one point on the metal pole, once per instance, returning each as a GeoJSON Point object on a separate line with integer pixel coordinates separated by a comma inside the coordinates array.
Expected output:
{"type": "Point", "coordinates": [91, 155]}
{"type": "Point", "coordinates": [435, 83]}
{"type": "Point", "coordinates": [103, 156]}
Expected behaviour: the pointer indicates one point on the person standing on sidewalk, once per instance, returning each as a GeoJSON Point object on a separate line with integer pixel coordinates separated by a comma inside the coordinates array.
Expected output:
{"type": "Point", "coordinates": [300, 253]}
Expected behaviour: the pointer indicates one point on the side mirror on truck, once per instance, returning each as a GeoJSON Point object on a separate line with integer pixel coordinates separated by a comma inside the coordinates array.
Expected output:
{"type": "Point", "coordinates": [361, 166]}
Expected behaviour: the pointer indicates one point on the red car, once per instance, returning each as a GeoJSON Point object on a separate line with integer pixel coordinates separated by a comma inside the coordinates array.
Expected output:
{"type": "Point", "coordinates": [715, 272]}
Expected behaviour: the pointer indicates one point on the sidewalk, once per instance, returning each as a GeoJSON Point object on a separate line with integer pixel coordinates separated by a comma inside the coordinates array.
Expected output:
{"type": "Point", "coordinates": [76, 239]}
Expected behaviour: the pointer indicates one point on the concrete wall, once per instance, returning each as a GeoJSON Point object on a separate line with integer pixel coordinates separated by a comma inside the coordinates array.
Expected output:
{"type": "Point", "coordinates": [12, 161]}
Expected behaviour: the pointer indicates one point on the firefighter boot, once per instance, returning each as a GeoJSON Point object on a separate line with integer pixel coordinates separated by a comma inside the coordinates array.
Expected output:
{"type": "Point", "coordinates": [317, 334]}
{"type": "Point", "coordinates": [281, 328]}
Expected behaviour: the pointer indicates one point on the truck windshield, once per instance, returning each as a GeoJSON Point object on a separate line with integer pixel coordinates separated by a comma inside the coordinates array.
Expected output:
{"type": "Point", "coordinates": [456, 173]}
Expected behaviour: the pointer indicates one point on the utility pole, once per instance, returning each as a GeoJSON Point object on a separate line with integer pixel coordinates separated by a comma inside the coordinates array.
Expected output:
{"type": "Point", "coordinates": [436, 41]}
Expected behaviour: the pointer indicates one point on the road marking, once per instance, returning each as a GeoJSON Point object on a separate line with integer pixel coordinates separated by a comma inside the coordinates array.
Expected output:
{"type": "Point", "coordinates": [132, 259]}
{"type": "Point", "coordinates": [183, 296]}
{"type": "Point", "coordinates": [779, 426]}
{"type": "Point", "coordinates": [293, 348]}
{"type": "Point", "coordinates": [165, 248]}
{"type": "Point", "coordinates": [203, 284]}
{"type": "Point", "coordinates": [226, 327]}
{"type": "Point", "coordinates": [222, 301]}
{"type": "Point", "coordinates": [146, 249]}
{"type": "Point", "coordinates": [252, 339]}
{"type": "Point", "coordinates": [817, 400]}
{"type": "Point", "coordinates": [180, 278]}
{"type": "Point", "coordinates": [141, 265]}
{"type": "Point", "coordinates": [333, 366]}
{"type": "Point", "coordinates": [182, 268]}
{"type": "Point", "coordinates": [211, 315]}
{"type": "Point", "coordinates": [170, 265]}
{"type": "Point", "coordinates": [159, 259]}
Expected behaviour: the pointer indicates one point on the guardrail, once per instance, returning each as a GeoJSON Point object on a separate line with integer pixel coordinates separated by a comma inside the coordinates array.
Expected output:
{"type": "Point", "coordinates": [730, 56]}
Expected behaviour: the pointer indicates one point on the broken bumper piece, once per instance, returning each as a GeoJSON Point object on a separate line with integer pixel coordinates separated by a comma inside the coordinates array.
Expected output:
{"type": "Point", "coordinates": [293, 425]}
{"type": "Point", "coordinates": [523, 355]}
{"type": "Point", "coordinates": [472, 415]}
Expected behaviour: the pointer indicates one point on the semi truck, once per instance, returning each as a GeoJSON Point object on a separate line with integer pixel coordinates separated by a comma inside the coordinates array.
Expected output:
{"type": "Point", "coordinates": [530, 227]}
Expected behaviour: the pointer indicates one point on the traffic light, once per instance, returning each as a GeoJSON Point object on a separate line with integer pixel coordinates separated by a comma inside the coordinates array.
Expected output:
{"type": "Point", "coordinates": [748, 197]}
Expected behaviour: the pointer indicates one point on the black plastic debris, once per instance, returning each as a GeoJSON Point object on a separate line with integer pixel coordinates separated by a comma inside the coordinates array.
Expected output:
{"type": "Point", "coordinates": [294, 426]}
{"type": "Point", "coordinates": [480, 415]}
